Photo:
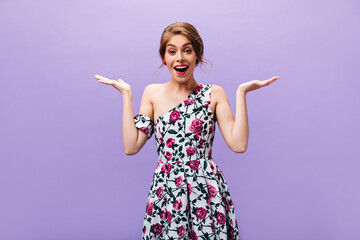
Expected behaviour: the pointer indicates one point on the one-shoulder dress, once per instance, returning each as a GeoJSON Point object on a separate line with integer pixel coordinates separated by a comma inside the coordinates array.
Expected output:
{"type": "Point", "coordinates": [189, 197]}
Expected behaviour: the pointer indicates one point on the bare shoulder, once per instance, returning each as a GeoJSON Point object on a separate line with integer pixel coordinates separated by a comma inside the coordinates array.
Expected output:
{"type": "Point", "coordinates": [151, 89]}
{"type": "Point", "coordinates": [217, 93]}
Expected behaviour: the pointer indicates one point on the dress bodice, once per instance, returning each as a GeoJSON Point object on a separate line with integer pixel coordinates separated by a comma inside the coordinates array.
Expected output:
{"type": "Point", "coordinates": [185, 132]}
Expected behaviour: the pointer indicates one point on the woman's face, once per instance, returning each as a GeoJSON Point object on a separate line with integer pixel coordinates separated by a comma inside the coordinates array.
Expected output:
{"type": "Point", "coordinates": [180, 57]}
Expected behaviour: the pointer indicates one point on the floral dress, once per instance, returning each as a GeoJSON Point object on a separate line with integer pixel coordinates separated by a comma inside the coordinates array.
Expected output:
{"type": "Point", "coordinates": [189, 197]}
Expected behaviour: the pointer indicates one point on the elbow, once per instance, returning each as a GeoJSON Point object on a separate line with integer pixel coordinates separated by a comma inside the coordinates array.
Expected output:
{"type": "Point", "coordinates": [130, 151]}
{"type": "Point", "coordinates": [240, 149]}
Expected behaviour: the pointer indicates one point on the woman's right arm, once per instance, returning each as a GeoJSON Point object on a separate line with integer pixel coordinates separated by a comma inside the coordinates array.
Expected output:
{"type": "Point", "coordinates": [133, 138]}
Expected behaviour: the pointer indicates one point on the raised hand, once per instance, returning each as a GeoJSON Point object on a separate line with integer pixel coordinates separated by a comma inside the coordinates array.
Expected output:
{"type": "Point", "coordinates": [256, 84]}
{"type": "Point", "coordinates": [118, 84]}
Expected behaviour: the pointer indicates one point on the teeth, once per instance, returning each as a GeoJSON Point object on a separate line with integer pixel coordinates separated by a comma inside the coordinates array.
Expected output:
{"type": "Point", "coordinates": [181, 67]}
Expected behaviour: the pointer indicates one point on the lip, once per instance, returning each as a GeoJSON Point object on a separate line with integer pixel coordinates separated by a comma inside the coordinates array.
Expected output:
{"type": "Point", "coordinates": [181, 73]}
{"type": "Point", "coordinates": [182, 65]}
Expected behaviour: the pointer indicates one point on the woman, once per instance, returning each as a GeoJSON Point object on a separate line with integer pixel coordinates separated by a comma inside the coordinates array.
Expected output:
{"type": "Point", "coordinates": [189, 196]}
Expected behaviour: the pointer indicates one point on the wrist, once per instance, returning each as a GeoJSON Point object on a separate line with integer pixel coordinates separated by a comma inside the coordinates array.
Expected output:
{"type": "Point", "coordinates": [241, 90]}
{"type": "Point", "coordinates": [127, 92]}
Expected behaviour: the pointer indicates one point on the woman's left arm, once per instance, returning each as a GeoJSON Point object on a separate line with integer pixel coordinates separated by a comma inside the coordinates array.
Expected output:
{"type": "Point", "coordinates": [236, 131]}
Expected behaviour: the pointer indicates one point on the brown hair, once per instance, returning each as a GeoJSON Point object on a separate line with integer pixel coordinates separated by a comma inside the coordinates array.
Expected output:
{"type": "Point", "coordinates": [188, 31]}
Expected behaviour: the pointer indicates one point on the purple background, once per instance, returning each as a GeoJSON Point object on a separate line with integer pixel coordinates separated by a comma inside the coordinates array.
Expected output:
{"type": "Point", "coordinates": [63, 170]}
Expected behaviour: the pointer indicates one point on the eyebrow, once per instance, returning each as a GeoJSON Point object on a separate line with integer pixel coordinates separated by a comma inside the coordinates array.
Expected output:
{"type": "Point", "coordinates": [175, 46]}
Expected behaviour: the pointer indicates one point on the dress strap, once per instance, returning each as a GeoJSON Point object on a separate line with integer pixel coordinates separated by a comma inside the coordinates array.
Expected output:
{"type": "Point", "coordinates": [145, 124]}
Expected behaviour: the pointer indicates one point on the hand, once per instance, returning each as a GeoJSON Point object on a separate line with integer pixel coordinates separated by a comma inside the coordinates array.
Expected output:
{"type": "Point", "coordinates": [119, 84]}
{"type": "Point", "coordinates": [255, 84]}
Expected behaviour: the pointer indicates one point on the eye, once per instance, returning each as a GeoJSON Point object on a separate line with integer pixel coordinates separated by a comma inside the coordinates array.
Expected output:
{"type": "Point", "coordinates": [188, 50]}
{"type": "Point", "coordinates": [171, 52]}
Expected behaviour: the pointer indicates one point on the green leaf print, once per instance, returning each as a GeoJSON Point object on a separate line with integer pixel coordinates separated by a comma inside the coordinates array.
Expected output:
{"type": "Point", "coordinates": [179, 195]}
{"type": "Point", "coordinates": [172, 131]}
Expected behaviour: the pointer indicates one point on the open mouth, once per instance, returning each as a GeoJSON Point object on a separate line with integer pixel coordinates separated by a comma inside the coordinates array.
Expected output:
{"type": "Point", "coordinates": [181, 70]}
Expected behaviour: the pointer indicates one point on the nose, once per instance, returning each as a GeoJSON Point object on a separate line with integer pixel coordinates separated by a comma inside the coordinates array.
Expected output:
{"type": "Point", "coordinates": [180, 57]}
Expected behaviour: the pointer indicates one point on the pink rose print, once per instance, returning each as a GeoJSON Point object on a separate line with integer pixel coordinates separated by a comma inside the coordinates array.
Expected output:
{"type": "Point", "coordinates": [166, 168]}
{"type": "Point", "coordinates": [168, 217]}
{"type": "Point", "coordinates": [231, 233]}
{"type": "Point", "coordinates": [190, 150]}
{"type": "Point", "coordinates": [165, 214]}
{"type": "Point", "coordinates": [177, 204]}
{"type": "Point", "coordinates": [174, 116]}
{"type": "Point", "coordinates": [170, 142]}
{"type": "Point", "coordinates": [212, 190]}
{"type": "Point", "coordinates": [189, 101]}
{"type": "Point", "coordinates": [189, 188]}
{"type": "Point", "coordinates": [196, 136]}
{"type": "Point", "coordinates": [149, 208]}
{"type": "Point", "coordinates": [209, 154]}
{"type": "Point", "coordinates": [144, 229]}
{"type": "Point", "coordinates": [201, 143]}
{"type": "Point", "coordinates": [156, 228]}
{"type": "Point", "coordinates": [231, 202]}
{"type": "Point", "coordinates": [137, 115]}
{"type": "Point", "coordinates": [211, 128]}
{"type": "Point", "coordinates": [145, 130]}
{"type": "Point", "coordinates": [207, 103]}
{"type": "Point", "coordinates": [198, 87]}
{"type": "Point", "coordinates": [168, 155]}
{"type": "Point", "coordinates": [194, 164]}
{"type": "Point", "coordinates": [187, 207]}
{"type": "Point", "coordinates": [220, 218]}
{"type": "Point", "coordinates": [225, 201]}
{"type": "Point", "coordinates": [196, 126]}
{"type": "Point", "coordinates": [160, 192]}
{"type": "Point", "coordinates": [217, 170]}
{"type": "Point", "coordinates": [178, 181]}
{"type": "Point", "coordinates": [159, 130]}
{"type": "Point", "coordinates": [212, 166]}
{"type": "Point", "coordinates": [181, 231]}
{"type": "Point", "coordinates": [208, 201]}
{"type": "Point", "coordinates": [200, 213]}
{"type": "Point", "coordinates": [161, 140]}
{"type": "Point", "coordinates": [192, 235]}
{"type": "Point", "coordinates": [213, 227]}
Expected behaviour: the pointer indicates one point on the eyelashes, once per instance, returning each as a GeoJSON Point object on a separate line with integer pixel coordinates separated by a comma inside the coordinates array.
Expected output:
{"type": "Point", "coordinates": [187, 50]}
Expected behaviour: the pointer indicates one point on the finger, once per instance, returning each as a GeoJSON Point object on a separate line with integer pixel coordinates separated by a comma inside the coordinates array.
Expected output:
{"type": "Point", "coordinates": [101, 77]}
{"type": "Point", "coordinates": [272, 79]}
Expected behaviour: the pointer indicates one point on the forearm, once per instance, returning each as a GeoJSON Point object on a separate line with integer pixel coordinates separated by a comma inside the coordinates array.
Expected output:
{"type": "Point", "coordinates": [130, 133]}
{"type": "Point", "coordinates": [240, 131]}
